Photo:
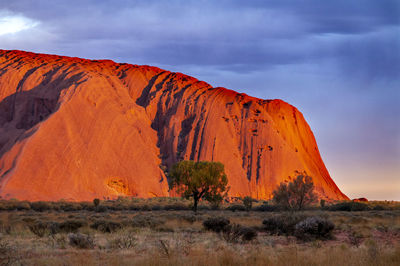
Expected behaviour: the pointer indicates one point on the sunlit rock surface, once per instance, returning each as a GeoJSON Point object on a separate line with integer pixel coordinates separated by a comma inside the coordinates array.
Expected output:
{"type": "Point", "coordinates": [77, 129]}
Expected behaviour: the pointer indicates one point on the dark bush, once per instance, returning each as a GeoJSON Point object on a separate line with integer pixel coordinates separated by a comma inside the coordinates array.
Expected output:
{"type": "Point", "coordinates": [349, 206]}
{"type": "Point", "coordinates": [231, 233]}
{"type": "Point", "coordinates": [71, 226]}
{"type": "Point", "coordinates": [266, 208]}
{"type": "Point", "coordinates": [378, 208]}
{"type": "Point", "coordinates": [96, 202]}
{"type": "Point", "coordinates": [81, 240]}
{"type": "Point", "coordinates": [70, 206]}
{"type": "Point", "coordinates": [164, 229]}
{"type": "Point", "coordinates": [4, 228]}
{"type": "Point", "coordinates": [106, 226]}
{"type": "Point", "coordinates": [359, 206]}
{"type": "Point", "coordinates": [175, 207]}
{"type": "Point", "coordinates": [146, 221]}
{"type": "Point", "coordinates": [9, 254]}
{"type": "Point", "coordinates": [53, 228]}
{"type": "Point", "coordinates": [125, 241]}
{"type": "Point", "coordinates": [248, 203]}
{"type": "Point", "coordinates": [145, 207]}
{"type": "Point", "coordinates": [134, 207]}
{"type": "Point", "coordinates": [87, 206]}
{"type": "Point", "coordinates": [355, 238]}
{"type": "Point", "coordinates": [101, 208]}
{"type": "Point", "coordinates": [248, 233]}
{"type": "Point", "coordinates": [157, 207]}
{"type": "Point", "coordinates": [202, 208]}
{"type": "Point", "coordinates": [314, 228]}
{"type": "Point", "coordinates": [216, 224]}
{"type": "Point", "coordinates": [28, 220]}
{"type": "Point", "coordinates": [22, 205]}
{"type": "Point", "coordinates": [39, 228]}
{"type": "Point", "coordinates": [283, 224]}
{"type": "Point", "coordinates": [234, 232]}
{"type": "Point", "coordinates": [236, 207]}
{"type": "Point", "coordinates": [190, 218]}
{"type": "Point", "coordinates": [40, 206]}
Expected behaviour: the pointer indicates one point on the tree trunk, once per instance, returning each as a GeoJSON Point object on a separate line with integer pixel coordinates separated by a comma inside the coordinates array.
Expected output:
{"type": "Point", "coordinates": [195, 202]}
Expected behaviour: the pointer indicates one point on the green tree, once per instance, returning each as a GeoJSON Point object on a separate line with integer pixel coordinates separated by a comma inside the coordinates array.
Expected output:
{"type": "Point", "coordinates": [96, 202]}
{"type": "Point", "coordinates": [199, 180]}
{"type": "Point", "coordinates": [248, 202]}
{"type": "Point", "coordinates": [296, 194]}
{"type": "Point", "coordinates": [322, 203]}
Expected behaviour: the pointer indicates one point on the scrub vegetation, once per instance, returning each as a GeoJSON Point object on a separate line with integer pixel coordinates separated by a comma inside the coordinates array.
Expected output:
{"type": "Point", "coordinates": [165, 231]}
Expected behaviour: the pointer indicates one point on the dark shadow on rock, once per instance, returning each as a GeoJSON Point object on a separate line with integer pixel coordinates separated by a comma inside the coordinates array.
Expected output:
{"type": "Point", "coordinates": [23, 110]}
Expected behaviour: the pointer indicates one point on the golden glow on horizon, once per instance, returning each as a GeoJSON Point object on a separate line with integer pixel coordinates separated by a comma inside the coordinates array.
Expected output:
{"type": "Point", "coordinates": [374, 183]}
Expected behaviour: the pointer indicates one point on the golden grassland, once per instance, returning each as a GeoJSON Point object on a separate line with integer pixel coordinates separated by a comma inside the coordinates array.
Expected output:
{"type": "Point", "coordinates": [155, 236]}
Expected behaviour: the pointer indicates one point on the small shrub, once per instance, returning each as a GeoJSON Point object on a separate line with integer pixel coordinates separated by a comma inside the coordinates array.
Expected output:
{"type": "Point", "coordinates": [53, 228]}
{"type": "Point", "coordinates": [248, 203]}
{"type": "Point", "coordinates": [233, 233]}
{"type": "Point", "coordinates": [87, 206]}
{"type": "Point", "coordinates": [382, 228]}
{"type": "Point", "coordinates": [96, 202]}
{"type": "Point", "coordinates": [70, 206]}
{"type": "Point", "coordinates": [236, 207]}
{"type": "Point", "coordinates": [359, 206]}
{"type": "Point", "coordinates": [205, 207]}
{"type": "Point", "coordinates": [8, 253]}
{"type": "Point", "coordinates": [216, 224]}
{"type": "Point", "coordinates": [101, 208]}
{"type": "Point", "coordinates": [322, 203]}
{"type": "Point", "coordinates": [165, 229]}
{"type": "Point", "coordinates": [266, 208]}
{"type": "Point", "coordinates": [248, 234]}
{"type": "Point", "coordinates": [28, 220]}
{"type": "Point", "coordinates": [378, 208]}
{"type": "Point", "coordinates": [175, 207]}
{"type": "Point", "coordinates": [57, 241]}
{"type": "Point", "coordinates": [355, 238]}
{"type": "Point", "coordinates": [82, 241]}
{"type": "Point", "coordinates": [40, 206]}
{"type": "Point", "coordinates": [23, 206]}
{"type": "Point", "coordinates": [314, 228]}
{"type": "Point", "coordinates": [5, 228]}
{"type": "Point", "coordinates": [71, 226]}
{"type": "Point", "coordinates": [215, 201]}
{"type": "Point", "coordinates": [189, 218]}
{"type": "Point", "coordinates": [145, 207]}
{"type": "Point", "coordinates": [146, 221]}
{"type": "Point", "coordinates": [106, 226]}
{"type": "Point", "coordinates": [125, 241]}
{"type": "Point", "coordinates": [39, 228]}
{"type": "Point", "coordinates": [283, 224]}
{"type": "Point", "coordinates": [349, 206]}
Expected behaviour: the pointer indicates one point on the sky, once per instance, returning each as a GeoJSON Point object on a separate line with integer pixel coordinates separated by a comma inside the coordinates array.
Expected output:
{"type": "Point", "coordinates": [337, 61]}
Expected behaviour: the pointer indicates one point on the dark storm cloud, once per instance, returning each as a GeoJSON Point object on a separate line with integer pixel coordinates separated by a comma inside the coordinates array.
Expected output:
{"type": "Point", "coordinates": [233, 35]}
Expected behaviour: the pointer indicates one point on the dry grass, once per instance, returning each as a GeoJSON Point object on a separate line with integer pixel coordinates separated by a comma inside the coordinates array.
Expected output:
{"type": "Point", "coordinates": [178, 238]}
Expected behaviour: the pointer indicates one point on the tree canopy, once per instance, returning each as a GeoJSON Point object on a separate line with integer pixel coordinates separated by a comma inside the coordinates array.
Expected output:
{"type": "Point", "coordinates": [296, 194]}
{"type": "Point", "coordinates": [199, 180]}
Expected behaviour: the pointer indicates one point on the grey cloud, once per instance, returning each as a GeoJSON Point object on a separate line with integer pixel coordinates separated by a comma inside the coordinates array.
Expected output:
{"type": "Point", "coordinates": [233, 35]}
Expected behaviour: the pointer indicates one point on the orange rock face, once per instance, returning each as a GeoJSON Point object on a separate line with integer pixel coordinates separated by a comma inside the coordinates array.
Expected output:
{"type": "Point", "coordinates": [79, 129]}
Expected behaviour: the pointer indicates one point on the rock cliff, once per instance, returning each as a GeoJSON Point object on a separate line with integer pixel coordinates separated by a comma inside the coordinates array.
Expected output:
{"type": "Point", "coordinates": [77, 129]}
